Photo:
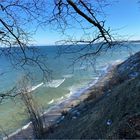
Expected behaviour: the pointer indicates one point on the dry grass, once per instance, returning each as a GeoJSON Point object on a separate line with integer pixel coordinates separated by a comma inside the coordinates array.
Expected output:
{"type": "Point", "coordinates": [113, 114]}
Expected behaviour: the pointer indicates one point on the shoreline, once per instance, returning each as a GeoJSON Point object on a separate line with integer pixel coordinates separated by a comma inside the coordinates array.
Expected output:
{"type": "Point", "coordinates": [54, 114]}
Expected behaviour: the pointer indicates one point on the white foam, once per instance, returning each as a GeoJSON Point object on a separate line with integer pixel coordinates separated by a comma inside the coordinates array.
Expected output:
{"type": "Point", "coordinates": [35, 87]}
{"type": "Point", "coordinates": [17, 131]}
{"type": "Point", "coordinates": [50, 102]}
{"type": "Point", "coordinates": [60, 99]}
{"type": "Point", "coordinates": [68, 75]}
{"type": "Point", "coordinates": [118, 61]}
{"type": "Point", "coordinates": [54, 83]}
{"type": "Point", "coordinates": [93, 82]}
{"type": "Point", "coordinates": [26, 126]}
{"type": "Point", "coordinates": [75, 91]}
{"type": "Point", "coordinates": [104, 69]}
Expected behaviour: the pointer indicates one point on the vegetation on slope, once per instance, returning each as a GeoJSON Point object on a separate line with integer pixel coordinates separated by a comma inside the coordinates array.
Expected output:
{"type": "Point", "coordinates": [116, 114]}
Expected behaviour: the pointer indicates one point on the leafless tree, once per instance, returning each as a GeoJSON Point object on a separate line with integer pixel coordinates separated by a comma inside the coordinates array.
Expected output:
{"type": "Point", "coordinates": [88, 15]}
{"type": "Point", "coordinates": [16, 18]}
{"type": "Point", "coordinates": [33, 110]}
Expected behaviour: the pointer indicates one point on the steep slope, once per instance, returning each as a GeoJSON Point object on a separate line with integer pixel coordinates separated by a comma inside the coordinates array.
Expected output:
{"type": "Point", "coordinates": [116, 114]}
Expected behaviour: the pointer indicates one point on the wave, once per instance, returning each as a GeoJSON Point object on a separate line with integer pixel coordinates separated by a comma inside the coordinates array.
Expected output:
{"type": "Point", "coordinates": [118, 61]}
{"type": "Point", "coordinates": [56, 100]}
{"type": "Point", "coordinates": [93, 82]}
{"type": "Point", "coordinates": [17, 131]}
{"type": "Point", "coordinates": [50, 102]}
{"type": "Point", "coordinates": [104, 68]}
{"type": "Point", "coordinates": [60, 99]}
{"type": "Point", "coordinates": [68, 75]}
{"type": "Point", "coordinates": [26, 126]}
{"type": "Point", "coordinates": [54, 83]}
{"type": "Point", "coordinates": [75, 90]}
{"type": "Point", "coordinates": [35, 87]}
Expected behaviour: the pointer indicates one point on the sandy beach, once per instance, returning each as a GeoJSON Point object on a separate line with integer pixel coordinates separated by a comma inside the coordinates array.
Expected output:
{"type": "Point", "coordinates": [54, 116]}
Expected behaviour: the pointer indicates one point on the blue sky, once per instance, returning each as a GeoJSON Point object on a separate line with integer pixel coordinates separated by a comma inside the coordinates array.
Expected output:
{"type": "Point", "coordinates": [122, 16]}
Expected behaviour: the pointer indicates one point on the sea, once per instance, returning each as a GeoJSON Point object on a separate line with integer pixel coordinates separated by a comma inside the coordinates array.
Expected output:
{"type": "Point", "coordinates": [68, 76]}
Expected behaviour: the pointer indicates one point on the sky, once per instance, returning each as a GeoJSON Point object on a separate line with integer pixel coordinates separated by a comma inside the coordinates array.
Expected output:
{"type": "Point", "coordinates": [122, 16]}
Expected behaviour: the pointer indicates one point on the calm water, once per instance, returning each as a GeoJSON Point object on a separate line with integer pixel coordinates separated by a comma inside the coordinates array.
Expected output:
{"type": "Point", "coordinates": [66, 80]}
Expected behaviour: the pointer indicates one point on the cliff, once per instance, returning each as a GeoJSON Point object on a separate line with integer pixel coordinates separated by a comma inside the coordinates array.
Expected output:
{"type": "Point", "coordinates": [114, 114]}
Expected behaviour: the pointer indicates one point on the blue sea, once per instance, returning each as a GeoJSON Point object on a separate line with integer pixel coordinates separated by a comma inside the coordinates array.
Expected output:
{"type": "Point", "coordinates": [67, 78]}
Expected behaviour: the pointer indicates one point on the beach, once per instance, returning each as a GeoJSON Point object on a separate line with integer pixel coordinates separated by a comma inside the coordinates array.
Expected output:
{"type": "Point", "coordinates": [62, 93]}
{"type": "Point", "coordinates": [66, 80]}
{"type": "Point", "coordinates": [54, 115]}
{"type": "Point", "coordinates": [111, 111]}
{"type": "Point", "coordinates": [104, 106]}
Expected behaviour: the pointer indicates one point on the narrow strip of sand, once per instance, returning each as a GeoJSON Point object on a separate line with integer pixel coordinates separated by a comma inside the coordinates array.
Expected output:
{"type": "Point", "coordinates": [54, 116]}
